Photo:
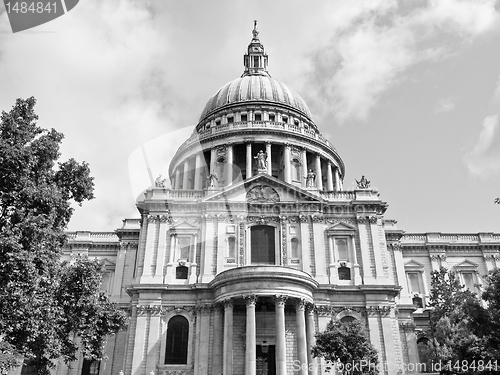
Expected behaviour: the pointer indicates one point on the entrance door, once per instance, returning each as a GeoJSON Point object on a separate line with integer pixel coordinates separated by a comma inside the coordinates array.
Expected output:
{"type": "Point", "coordinates": [266, 360]}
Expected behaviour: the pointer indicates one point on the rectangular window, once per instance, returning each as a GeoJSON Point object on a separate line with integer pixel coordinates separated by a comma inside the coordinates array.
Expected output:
{"type": "Point", "coordinates": [230, 120]}
{"type": "Point", "coordinates": [244, 118]}
{"type": "Point", "coordinates": [262, 244]}
{"type": "Point", "coordinates": [342, 249]}
{"type": "Point", "coordinates": [272, 117]}
{"type": "Point", "coordinates": [468, 278]}
{"type": "Point", "coordinates": [258, 117]}
{"type": "Point", "coordinates": [414, 282]}
{"type": "Point", "coordinates": [184, 247]}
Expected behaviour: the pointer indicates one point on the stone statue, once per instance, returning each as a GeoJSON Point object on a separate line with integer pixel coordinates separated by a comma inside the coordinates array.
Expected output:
{"type": "Point", "coordinates": [310, 179]}
{"type": "Point", "coordinates": [261, 160]}
{"type": "Point", "coordinates": [363, 183]}
{"type": "Point", "coordinates": [160, 182]}
{"type": "Point", "coordinates": [213, 178]}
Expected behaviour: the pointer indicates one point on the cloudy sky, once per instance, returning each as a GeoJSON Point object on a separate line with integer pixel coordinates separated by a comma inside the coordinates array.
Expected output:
{"type": "Point", "coordinates": [407, 91]}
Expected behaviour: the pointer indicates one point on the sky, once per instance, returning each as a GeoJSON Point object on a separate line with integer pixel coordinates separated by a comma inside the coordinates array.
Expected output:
{"type": "Point", "coordinates": [408, 92]}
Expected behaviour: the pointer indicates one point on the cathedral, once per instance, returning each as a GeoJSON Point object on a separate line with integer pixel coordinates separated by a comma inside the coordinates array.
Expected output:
{"type": "Point", "coordinates": [255, 246]}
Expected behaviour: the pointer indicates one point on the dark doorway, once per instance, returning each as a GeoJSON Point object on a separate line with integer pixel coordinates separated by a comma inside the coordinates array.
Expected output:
{"type": "Point", "coordinates": [262, 244]}
{"type": "Point", "coordinates": [266, 360]}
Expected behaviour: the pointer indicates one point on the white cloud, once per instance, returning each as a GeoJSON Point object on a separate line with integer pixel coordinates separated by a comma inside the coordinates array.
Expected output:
{"type": "Point", "coordinates": [369, 50]}
{"type": "Point", "coordinates": [445, 105]}
{"type": "Point", "coordinates": [484, 159]}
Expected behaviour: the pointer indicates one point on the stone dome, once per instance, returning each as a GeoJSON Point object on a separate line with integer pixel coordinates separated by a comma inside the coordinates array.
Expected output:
{"type": "Point", "coordinates": [261, 88]}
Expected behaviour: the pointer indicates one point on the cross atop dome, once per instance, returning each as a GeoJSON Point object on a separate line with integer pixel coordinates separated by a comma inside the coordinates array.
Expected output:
{"type": "Point", "coordinates": [255, 60]}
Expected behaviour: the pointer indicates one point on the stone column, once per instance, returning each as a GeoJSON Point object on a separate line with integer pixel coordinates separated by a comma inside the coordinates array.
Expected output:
{"type": "Point", "coordinates": [329, 176]}
{"type": "Point", "coordinates": [304, 168]}
{"type": "Point", "coordinates": [249, 159]}
{"type": "Point", "coordinates": [357, 275]}
{"type": "Point", "coordinates": [319, 174]}
{"type": "Point", "coordinates": [192, 272]}
{"type": "Point", "coordinates": [185, 177]}
{"type": "Point", "coordinates": [334, 276]}
{"type": "Point", "coordinates": [213, 156]}
{"type": "Point", "coordinates": [301, 337]}
{"type": "Point", "coordinates": [170, 264]}
{"type": "Point", "coordinates": [197, 172]}
{"type": "Point", "coordinates": [229, 164]}
{"type": "Point", "coordinates": [120, 266]}
{"type": "Point", "coordinates": [311, 340]}
{"type": "Point", "coordinates": [286, 162]}
{"type": "Point", "coordinates": [404, 296]}
{"type": "Point", "coordinates": [280, 335]}
{"type": "Point", "coordinates": [365, 250]}
{"type": "Point", "coordinates": [217, 344]}
{"type": "Point", "coordinates": [338, 186]}
{"type": "Point", "coordinates": [377, 251]}
{"type": "Point", "coordinates": [147, 271]}
{"type": "Point", "coordinates": [251, 349]}
{"type": "Point", "coordinates": [269, 160]}
{"type": "Point", "coordinates": [178, 177]}
{"type": "Point", "coordinates": [162, 247]}
{"type": "Point", "coordinates": [228, 337]}
{"type": "Point", "coordinates": [204, 329]}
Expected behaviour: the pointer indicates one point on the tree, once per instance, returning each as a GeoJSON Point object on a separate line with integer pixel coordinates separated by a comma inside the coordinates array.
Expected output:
{"type": "Point", "coordinates": [44, 302]}
{"type": "Point", "coordinates": [346, 346]}
{"type": "Point", "coordinates": [460, 327]}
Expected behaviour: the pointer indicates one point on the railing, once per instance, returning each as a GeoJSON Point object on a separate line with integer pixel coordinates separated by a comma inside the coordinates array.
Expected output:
{"type": "Point", "coordinates": [184, 194]}
{"type": "Point", "coordinates": [196, 137]}
{"type": "Point", "coordinates": [337, 195]}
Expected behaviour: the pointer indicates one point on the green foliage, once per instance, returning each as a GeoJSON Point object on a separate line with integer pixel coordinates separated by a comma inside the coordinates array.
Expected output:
{"type": "Point", "coordinates": [36, 192]}
{"type": "Point", "coordinates": [461, 325]}
{"type": "Point", "coordinates": [347, 346]}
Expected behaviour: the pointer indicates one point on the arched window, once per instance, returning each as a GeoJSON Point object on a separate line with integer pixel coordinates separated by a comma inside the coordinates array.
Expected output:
{"type": "Point", "coordinates": [262, 244]}
{"type": "Point", "coordinates": [347, 319]}
{"type": "Point", "coordinates": [177, 341]}
{"type": "Point", "coordinates": [90, 367]}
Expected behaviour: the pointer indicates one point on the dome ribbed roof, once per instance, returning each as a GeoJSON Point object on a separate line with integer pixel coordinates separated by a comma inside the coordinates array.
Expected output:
{"type": "Point", "coordinates": [250, 88]}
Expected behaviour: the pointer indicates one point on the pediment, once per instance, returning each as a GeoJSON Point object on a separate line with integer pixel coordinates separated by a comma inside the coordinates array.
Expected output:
{"type": "Point", "coordinates": [341, 227]}
{"type": "Point", "coordinates": [183, 226]}
{"type": "Point", "coordinates": [262, 189]}
{"type": "Point", "coordinates": [466, 264]}
{"type": "Point", "coordinates": [413, 264]}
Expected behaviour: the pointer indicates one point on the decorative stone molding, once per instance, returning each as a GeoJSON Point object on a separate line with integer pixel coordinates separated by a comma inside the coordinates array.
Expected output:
{"type": "Point", "coordinates": [361, 220]}
{"type": "Point", "coordinates": [251, 299]}
{"type": "Point", "coordinates": [149, 310]}
{"type": "Point", "coordinates": [228, 302]}
{"type": "Point", "coordinates": [317, 218]}
{"type": "Point", "coordinates": [323, 310]}
{"type": "Point", "coordinates": [241, 243]}
{"type": "Point", "coordinates": [396, 246]}
{"type": "Point", "coordinates": [373, 219]}
{"type": "Point", "coordinates": [152, 218]}
{"type": "Point", "coordinates": [262, 193]}
{"type": "Point", "coordinates": [303, 218]}
{"type": "Point", "coordinates": [378, 310]}
{"type": "Point", "coordinates": [284, 243]}
{"type": "Point", "coordinates": [407, 326]}
{"type": "Point", "coordinates": [280, 300]}
{"type": "Point", "coordinates": [437, 257]}
{"type": "Point", "coordinates": [263, 220]}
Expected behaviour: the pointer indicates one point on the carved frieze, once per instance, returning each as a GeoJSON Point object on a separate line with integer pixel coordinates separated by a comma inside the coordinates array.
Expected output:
{"type": "Point", "coordinates": [378, 310]}
{"type": "Point", "coordinates": [262, 193]}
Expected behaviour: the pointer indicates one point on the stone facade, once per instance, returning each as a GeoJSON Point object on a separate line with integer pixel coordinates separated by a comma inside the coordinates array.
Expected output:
{"type": "Point", "coordinates": [256, 246]}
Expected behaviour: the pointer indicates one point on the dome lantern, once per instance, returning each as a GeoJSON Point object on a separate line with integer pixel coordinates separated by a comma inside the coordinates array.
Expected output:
{"type": "Point", "coordinates": [255, 60]}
